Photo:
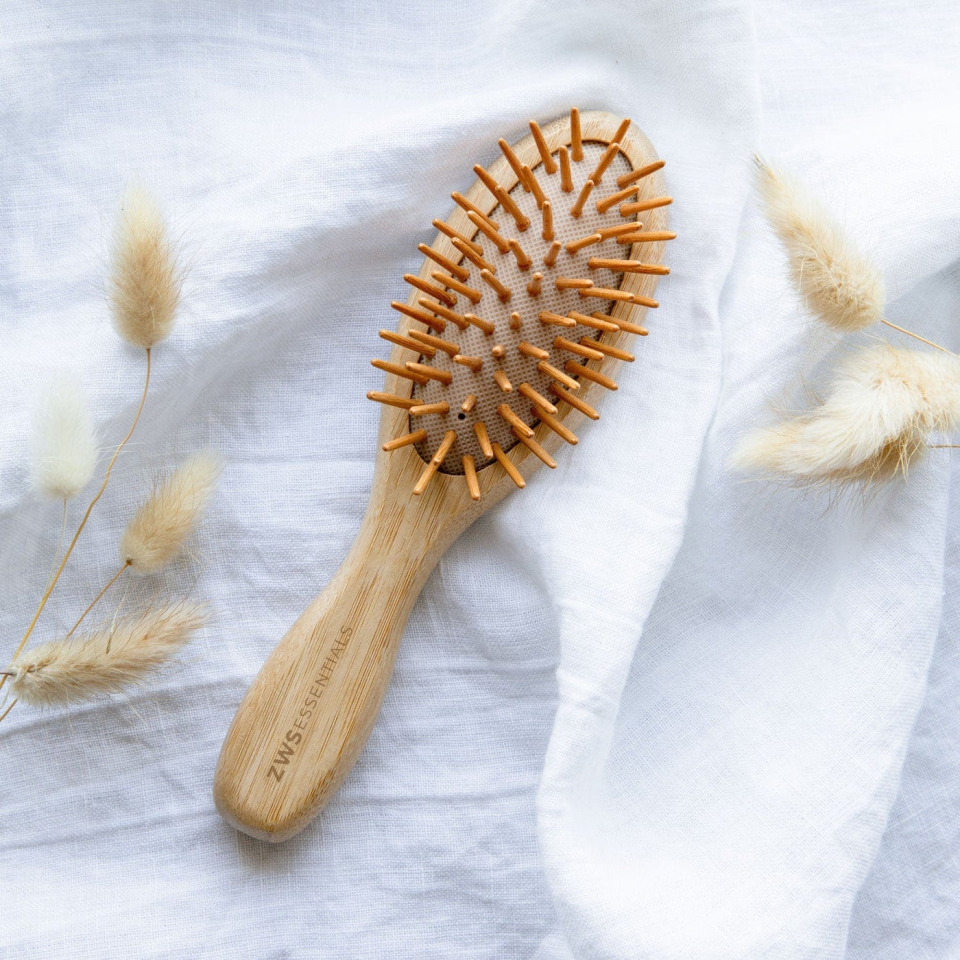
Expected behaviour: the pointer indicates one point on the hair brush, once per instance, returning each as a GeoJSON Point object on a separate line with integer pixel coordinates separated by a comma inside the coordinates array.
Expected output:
{"type": "Point", "coordinates": [527, 301]}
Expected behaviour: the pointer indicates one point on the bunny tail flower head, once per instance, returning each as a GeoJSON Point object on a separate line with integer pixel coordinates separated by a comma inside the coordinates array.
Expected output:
{"type": "Point", "coordinates": [145, 280]}
{"type": "Point", "coordinates": [875, 423]}
{"type": "Point", "coordinates": [70, 671]}
{"type": "Point", "coordinates": [64, 443]}
{"type": "Point", "coordinates": [839, 285]}
{"type": "Point", "coordinates": [158, 530]}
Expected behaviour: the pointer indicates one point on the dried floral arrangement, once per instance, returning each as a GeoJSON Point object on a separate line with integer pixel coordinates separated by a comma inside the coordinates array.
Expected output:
{"type": "Point", "coordinates": [884, 403]}
{"type": "Point", "coordinates": [144, 295]}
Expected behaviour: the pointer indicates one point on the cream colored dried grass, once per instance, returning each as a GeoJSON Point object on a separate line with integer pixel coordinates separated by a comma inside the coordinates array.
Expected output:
{"type": "Point", "coordinates": [882, 407]}
{"type": "Point", "coordinates": [839, 284]}
{"type": "Point", "coordinates": [64, 444]}
{"type": "Point", "coordinates": [70, 671]}
{"type": "Point", "coordinates": [159, 529]}
{"type": "Point", "coordinates": [145, 280]}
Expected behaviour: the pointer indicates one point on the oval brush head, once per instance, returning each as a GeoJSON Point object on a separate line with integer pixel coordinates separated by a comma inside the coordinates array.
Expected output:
{"type": "Point", "coordinates": [530, 292]}
{"type": "Point", "coordinates": [527, 300]}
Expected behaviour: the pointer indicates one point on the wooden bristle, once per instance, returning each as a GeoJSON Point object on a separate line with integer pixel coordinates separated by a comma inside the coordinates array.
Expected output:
{"type": "Point", "coordinates": [561, 343]}
{"type": "Point", "coordinates": [599, 347]}
{"type": "Point", "coordinates": [408, 342]}
{"type": "Point", "coordinates": [515, 165]}
{"type": "Point", "coordinates": [547, 232]}
{"type": "Point", "coordinates": [435, 343]}
{"type": "Point", "coordinates": [555, 425]}
{"type": "Point", "coordinates": [507, 413]}
{"type": "Point", "coordinates": [419, 315]}
{"type": "Point", "coordinates": [566, 179]}
{"type": "Point", "coordinates": [533, 287]}
{"type": "Point", "coordinates": [622, 131]}
{"type": "Point", "coordinates": [461, 201]}
{"type": "Point", "coordinates": [431, 373]}
{"type": "Point", "coordinates": [535, 187]}
{"type": "Point", "coordinates": [443, 261]}
{"type": "Point", "coordinates": [523, 261]}
{"type": "Point", "coordinates": [576, 140]}
{"type": "Point", "coordinates": [502, 292]}
{"type": "Point", "coordinates": [577, 208]}
{"type": "Point", "coordinates": [506, 201]}
{"type": "Point", "coordinates": [503, 381]}
{"type": "Point", "coordinates": [535, 448]}
{"type": "Point", "coordinates": [489, 232]}
{"type": "Point", "coordinates": [452, 234]}
{"type": "Point", "coordinates": [512, 472]}
{"type": "Point", "coordinates": [620, 228]}
{"type": "Point", "coordinates": [449, 438]}
{"type": "Point", "coordinates": [605, 293]}
{"type": "Point", "coordinates": [556, 319]}
{"type": "Point", "coordinates": [498, 351]}
{"type": "Point", "coordinates": [469, 402]}
{"type": "Point", "coordinates": [529, 350]}
{"type": "Point", "coordinates": [605, 161]}
{"type": "Point", "coordinates": [573, 283]}
{"type": "Point", "coordinates": [627, 266]}
{"type": "Point", "coordinates": [595, 322]}
{"type": "Point", "coordinates": [574, 401]}
{"type": "Point", "coordinates": [473, 256]}
{"type": "Point", "coordinates": [548, 370]}
{"type": "Point", "coordinates": [425, 409]}
{"type": "Point", "coordinates": [470, 293]}
{"type": "Point", "coordinates": [428, 288]}
{"type": "Point", "coordinates": [405, 440]}
{"type": "Point", "coordinates": [550, 257]}
{"type": "Point", "coordinates": [525, 390]}
{"type": "Point", "coordinates": [515, 321]}
{"type": "Point", "coordinates": [474, 363]}
{"type": "Point", "coordinates": [624, 325]}
{"type": "Point", "coordinates": [579, 370]}
{"type": "Point", "coordinates": [485, 325]}
{"type": "Point", "coordinates": [447, 314]}
{"type": "Point", "coordinates": [638, 206]}
{"type": "Point", "coordinates": [483, 438]}
{"type": "Point", "coordinates": [574, 245]}
{"type": "Point", "coordinates": [391, 400]}
{"type": "Point", "coordinates": [486, 179]}
{"type": "Point", "coordinates": [399, 371]}
{"type": "Point", "coordinates": [640, 173]}
{"type": "Point", "coordinates": [613, 199]}
{"type": "Point", "coordinates": [651, 236]}
{"type": "Point", "coordinates": [470, 475]}
{"type": "Point", "coordinates": [548, 162]}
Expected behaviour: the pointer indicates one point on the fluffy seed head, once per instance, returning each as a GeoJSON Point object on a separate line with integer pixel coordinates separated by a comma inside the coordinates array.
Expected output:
{"type": "Point", "coordinates": [876, 421]}
{"type": "Point", "coordinates": [68, 671]}
{"type": "Point", "coordinates": [64, 444]}
{"type": "Point", "coordinates": [839, 285]}
{"type": "Point", "coordinates": [158, 530]}
{"type": "Point", "coordinates": [144, 281]}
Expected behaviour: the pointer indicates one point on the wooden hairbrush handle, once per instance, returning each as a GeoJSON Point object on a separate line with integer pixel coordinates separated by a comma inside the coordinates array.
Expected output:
{"type": "Point", "coordinates": [302, 724]}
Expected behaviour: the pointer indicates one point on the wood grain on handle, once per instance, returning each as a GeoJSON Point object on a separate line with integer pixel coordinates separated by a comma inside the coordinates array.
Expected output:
{"type": "Point", "coordinates": [303, 723]}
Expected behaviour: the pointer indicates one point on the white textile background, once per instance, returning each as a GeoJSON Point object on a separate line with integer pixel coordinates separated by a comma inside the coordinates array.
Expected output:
{"type": "Point", "coordinates": [724, 723]}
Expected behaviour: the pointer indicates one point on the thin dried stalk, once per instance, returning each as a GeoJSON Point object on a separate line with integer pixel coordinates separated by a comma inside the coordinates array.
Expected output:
{"type": "Point", "coordinates": [64, 672]}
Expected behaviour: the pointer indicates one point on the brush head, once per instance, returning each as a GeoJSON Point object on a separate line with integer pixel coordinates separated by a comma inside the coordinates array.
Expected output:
{"type": "Point", "coordinates": [527, 299]}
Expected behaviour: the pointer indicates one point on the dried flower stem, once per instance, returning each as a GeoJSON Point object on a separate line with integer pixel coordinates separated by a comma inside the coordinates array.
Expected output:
{"type": "Point", "coordinates": [12, 705]}
{"type": "Point", "coordinates": [97, 599]}
{"type": "Point", "coordinates": [83, 522]}
{"type": "Point", "coordinates": [916, 336]}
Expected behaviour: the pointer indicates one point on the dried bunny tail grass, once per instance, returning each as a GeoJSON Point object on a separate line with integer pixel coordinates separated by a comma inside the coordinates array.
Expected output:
{"type": "Point", "coordinates": [63, 672]}
{"type": "Point", "coordinates": [158, 530]}
{"type": "Point", "coordinates": [839, 284]}
{"type": "Point", "coordinates": [145, 280]}
{"type": "Point", "coordinates": [64, 443]}
{"type": "Point", "coordinates": [875, 423]}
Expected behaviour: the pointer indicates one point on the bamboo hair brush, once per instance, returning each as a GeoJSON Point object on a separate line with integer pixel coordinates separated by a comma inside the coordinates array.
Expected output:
{"type": "Point", "coordinates": [527, 301]}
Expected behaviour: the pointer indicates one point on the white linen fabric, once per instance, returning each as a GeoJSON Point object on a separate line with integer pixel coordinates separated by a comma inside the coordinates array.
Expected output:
{"type": "Point", "coordinates": [643, 709]}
